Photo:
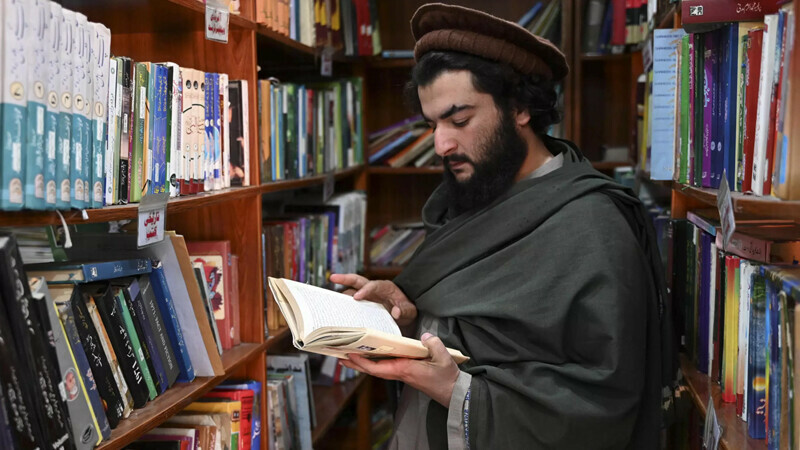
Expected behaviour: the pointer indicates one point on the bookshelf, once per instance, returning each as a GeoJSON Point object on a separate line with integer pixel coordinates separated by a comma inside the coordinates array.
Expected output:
{"type": "Point", "coordinates": [329, 402]}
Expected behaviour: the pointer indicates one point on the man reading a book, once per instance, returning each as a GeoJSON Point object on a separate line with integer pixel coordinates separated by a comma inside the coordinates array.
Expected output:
{"type": "Point", "coordinates": [541, 270]}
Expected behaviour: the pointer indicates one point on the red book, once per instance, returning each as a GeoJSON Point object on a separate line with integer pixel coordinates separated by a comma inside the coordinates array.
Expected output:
{"type": "Point", "coordinates": [618, 22]}
{"type": "Point", "coordinates": [753, 70]}
{"type": "Point", "coordinates": [237, 327]}
{"type": "Point", "coordinates": [717, 11]}
{"type": "Point", "coordinates": [216, 259]}
{"type": "Point", "coordinates": [246, 396]}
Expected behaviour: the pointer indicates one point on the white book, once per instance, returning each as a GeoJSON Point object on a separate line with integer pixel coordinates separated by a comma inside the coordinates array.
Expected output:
{"type": "Point", "coordinates": [52, 103]}
{"type": "Point", "coordinates": [81, 142]}
{"type": "Point", "coordinates": [246, 133]}
{"type": "Point", "coordinates": [200, 119]}
{"type": "Point", "coordinates": [100, 62]}
{"type": "Point", "coordinates": [36, 60]}
{"type": "Point", "coordinates": [226, 129]}
{"type": "Point", "coordinates": [113, 120]}
{"type": "Point", "coordinates": [746, 270]}
{"type": "Point", "coordinates": [13, 103]}
{"type": "Point", "coordinates": [175, 115]}
{"type": "Point", "coordinates": [712, 306]}
{"type": "Point", "coordinates": [765, 85]}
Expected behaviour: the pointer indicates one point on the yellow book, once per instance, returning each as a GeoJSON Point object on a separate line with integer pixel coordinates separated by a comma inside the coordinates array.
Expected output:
{"type": "Point", "coordinates": [232, 408]}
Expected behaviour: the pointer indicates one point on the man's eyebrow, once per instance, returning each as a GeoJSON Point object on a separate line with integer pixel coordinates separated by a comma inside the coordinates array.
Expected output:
{"type": "Point", "coordinates": [453, 109]}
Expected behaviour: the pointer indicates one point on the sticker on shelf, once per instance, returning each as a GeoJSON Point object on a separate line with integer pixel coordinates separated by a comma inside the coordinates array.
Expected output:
{"type": "Point", "coordinates": [725, 207]}
{"type": "Point", "coordinates": [152, 218]}
{"type": "Point", "coordinates": [217, 21]}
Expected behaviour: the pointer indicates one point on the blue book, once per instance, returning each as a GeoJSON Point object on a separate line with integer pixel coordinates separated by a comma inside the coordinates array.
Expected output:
{"type": "Point", "coordinates": [216, 134]}
{"type": "Point", "coordinates": [164, 299]}
{"type": "Point", "coordinates": [715, 93]}
{"type": "Point", "coordinates": [137, 308]}
{"type": "Point", "coordinates": [35, 55]}
{"type": "Point", "coordinates": [255, 421]}
{"type": "Point", "coordinates": [730, 85]}
{"type": "Point", "coordinates": [82, 363]}
{"type": "Point", "coordinates": [393, 146]}
{"type": "Point", "coordinates": [208, 154]}
{"type": "Point", "coordinates": [757, 360]}
{"type": "Point", "coordinates": [61, 272]}
{"type": "Point", "coordinates": [158, 176]}
{"type": "Point", "coordinates": [664, 97]}
{"type": "Point", "coordinates": [526, 19]}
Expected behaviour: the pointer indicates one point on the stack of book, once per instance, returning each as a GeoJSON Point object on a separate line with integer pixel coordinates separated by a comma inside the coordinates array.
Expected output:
{"type": "Point", "coordinates": [738, 123]}
{"type": "Point", "coordinates": [312, 241]}
{"type": "Point", "coordinates": [84, 129]}
{"type": "Point", "coordinates": [292, 414]}
{"type": "Point", "coordinates": [308, 129]}
{"type": "Point", "coordinates": [737, 314]}
{"type": "Point", "coordinates": [351, 25]}
{"type": "Point", "coordinates": [227, 417]}
{"type": "Point", "coordinates": [394, 245]}
{"type": "Point", "coordinates": [405, 143]}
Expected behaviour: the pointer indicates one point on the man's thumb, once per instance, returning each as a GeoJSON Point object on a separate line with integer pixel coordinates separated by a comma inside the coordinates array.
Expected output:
{"type": "Point", "coordinates": [435, 346]}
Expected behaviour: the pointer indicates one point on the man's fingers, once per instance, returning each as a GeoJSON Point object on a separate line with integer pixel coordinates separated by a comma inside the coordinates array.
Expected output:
{"type": "Point", "coordinates": [352, 280]}
{"type": "Point", "coordinates": [435, 347]}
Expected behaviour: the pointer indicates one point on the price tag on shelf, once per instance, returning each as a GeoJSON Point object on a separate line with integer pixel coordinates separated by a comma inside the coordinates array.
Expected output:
{"type": "Point", "coordinates": [217, 21]}
{"type": "Point", "coordinates": [152, 218]}
{"type": "Point", "coordinates": [328, 187]}
{"type": "Point", "coordinates": [725, 207]}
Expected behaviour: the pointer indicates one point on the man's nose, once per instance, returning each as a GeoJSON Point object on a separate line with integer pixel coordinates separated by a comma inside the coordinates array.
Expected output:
{"type": "Point", "coordinates": [444, 142]}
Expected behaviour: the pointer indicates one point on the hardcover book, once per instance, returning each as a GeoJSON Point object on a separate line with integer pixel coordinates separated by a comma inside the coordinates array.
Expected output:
{"type": "Point", "coordinates": [99, 64]}
{"type": "Point", "coordinates": [35, 93]}
{"type": "Point", "coordinates": [216, 259]}
{"type": "Point", "coordinates": [13, 105]}
{"type": "Point", "coordinates": [163, 344]}
{"type": "Point", "coordinates": [53, 86]}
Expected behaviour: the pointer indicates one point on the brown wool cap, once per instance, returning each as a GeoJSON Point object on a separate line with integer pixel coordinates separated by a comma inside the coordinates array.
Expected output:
{"type": "Point", "coordinates": [437, 26]}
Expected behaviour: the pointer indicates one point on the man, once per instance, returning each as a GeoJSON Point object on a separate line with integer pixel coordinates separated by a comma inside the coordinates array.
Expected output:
{"type": "Point", "coordinates": [540, 269]}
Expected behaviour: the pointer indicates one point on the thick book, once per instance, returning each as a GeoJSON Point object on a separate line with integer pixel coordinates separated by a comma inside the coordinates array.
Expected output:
{"type": "Point", "coordinates": [202, 284]}
{"type": "Point", "coordinates": [89, 425]}
{"type": "Point", "coordinates": [60, 272]}
{"type": "Point", "coordinates": [330, 323]}
{"type": "Point", "coordinates": [112, 319]}
{"type": "Point", "coordinates": [125, 298]}
{"type": "Point", "coordinates": [164, 346]}
{"type": "Point", "coordinates": [166, 306]}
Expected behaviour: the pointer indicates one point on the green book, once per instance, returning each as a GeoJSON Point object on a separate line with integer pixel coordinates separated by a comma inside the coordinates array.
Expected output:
{"type": "Point", "coordinates": [140, 96]}
{"type": "Point", "coordinates": [740, 126]}
{"type": "Point", "coordinates": [338, 138]}
{"type": "Point", "coordinates": [291, 162]}
{"type": "Point", "coordinates": [119, 297]}
{"type": "Point", "coordinates": [683, 168]}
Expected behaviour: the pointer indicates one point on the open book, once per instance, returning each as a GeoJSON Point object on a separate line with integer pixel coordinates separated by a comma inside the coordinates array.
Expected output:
{"type": "Point", "coordinates": [330, 323]}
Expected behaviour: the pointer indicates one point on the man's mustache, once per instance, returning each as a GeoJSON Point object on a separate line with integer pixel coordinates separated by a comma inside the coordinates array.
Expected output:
{"type": "Point", "coordinates": [456, 159]}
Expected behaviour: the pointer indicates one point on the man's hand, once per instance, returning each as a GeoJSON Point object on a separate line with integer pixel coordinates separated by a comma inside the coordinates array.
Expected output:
{"type": "Point", "coordinates": [435, 376]}
{"type": "Point", "coordinates": [379, 291]}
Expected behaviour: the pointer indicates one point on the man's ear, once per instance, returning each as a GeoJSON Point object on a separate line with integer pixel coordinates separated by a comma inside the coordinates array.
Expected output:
{"type": "Point", "coordinates": [522, 117]}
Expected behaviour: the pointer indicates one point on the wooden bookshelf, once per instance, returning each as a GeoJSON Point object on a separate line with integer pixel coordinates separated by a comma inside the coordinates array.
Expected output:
{"type": "Point", "coordinates": [383, 170]}
{"type": "Point", "coordinates": [316, 180]}
{"type": "Point", "coordinates": [768, 207]}
{"type": "Point", "coordinates": [277, 337]}
{"type": "Point", "coordinates": [177, 397]}
{"type": "Point", "coordinates": [734, 429]}
{"type": "Point", "coordinates": [329, 401]}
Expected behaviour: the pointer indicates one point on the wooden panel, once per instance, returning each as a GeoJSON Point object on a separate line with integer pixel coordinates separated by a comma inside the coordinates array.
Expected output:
{"type": "Point", "coordinates": [385, 101]}
{"type": "Point", "coordinates": [734, 429]}
{"type": "Point", "coordinates": [398, 198]}
{"type": "Point", "coordinates": [177, 397]}
{"type": "Point", "coordinates": [768, 207]}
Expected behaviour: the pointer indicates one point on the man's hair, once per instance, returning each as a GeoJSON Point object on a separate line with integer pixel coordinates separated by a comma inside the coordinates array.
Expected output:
{"type": "Point", "coordinates": [510, 90]}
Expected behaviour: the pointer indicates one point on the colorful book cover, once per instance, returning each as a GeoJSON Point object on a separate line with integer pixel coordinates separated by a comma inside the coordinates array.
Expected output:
{"type": "Point", "coordinates": [765, 97]}
{"type": "Point", "coordinates": [699, 107]}
{"type": "Point", "coordinates": [119, 298]}
{"type": "Point", "coordinates": [225, 124]}
{"type": "Point", "coordinates": [744, 274]}
{"type": "Point", "coordinates": [231, 408]}
{"type": "Point", "coordinates": [140, 131]}
{"type": "Point", "coordinates": [13, 106]}
{"type": "Point", "coordinates": [199, 108]}
{"type": "Point", "coordinates": [256, 422]}
{"type": "Point", "coordinates": [731, 333]}
{"type": "Point", "coordinates": [175, 131]}
{"type": "Point", "coordinates": [752, 73]}
{"type": "Point", "coordinates": [743, 29]}
{"type": "Point", "coordinates": [35, 93]}
{"type": "Point", "coordinates": [208, 154]}
{"type": "Point", "coordinates": [730, 70]}
{"type": "Point", "coordinates": [158, 176]}
{"type": "Point", "coordinates": [216, 162]}
{"type": "Point", "coordinates": [66, 272]}
{"type": "Point", "coordinates": [236, 133]}
{"type": "Point", "coordinates": [708, 97]}
{"type": "Point", "coordinates": [774, 369]}
{"type": "Point", "coordinates": [81, 142]}
{"type": "Point", "coordinates": [215, 257]}
{"type": "Point", "coordinates": [100, 61]}
{"type": "Point", "coordinates": [757, 361]}
{"type": "Point", "coordinates": [185, 173]}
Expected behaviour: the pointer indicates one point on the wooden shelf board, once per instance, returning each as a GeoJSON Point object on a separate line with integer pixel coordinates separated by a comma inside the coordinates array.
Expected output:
{"type": "Point", "coordinates": [390, 63]}
{"type": "Point", "coordinates": [734, 429]}
{"type": "Point", "coordinates": [120, 212]}
{"type": "Point", "coordinates": [176, 398]}
{"type": "Point", "coordinates": [605, 57]}
{"type": "Point", "coordinates": [382, 271]}
{"type": "Point", "coordinates": [329, 402]}
{"type": "Point", "coordinates": [405, 170]}
{"type": "Point", "coordinates": [275, 186]}
{"type": "Point", "coordinates": [277, 336]}
{"type": "Point", "coordinates": [745, 204]}
{"type": "Point", "coordinates": [275, 39]}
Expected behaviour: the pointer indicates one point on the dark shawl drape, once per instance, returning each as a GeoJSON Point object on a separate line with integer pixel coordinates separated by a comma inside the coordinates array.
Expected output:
{"type": "Point", "coordinates": [556, 292]}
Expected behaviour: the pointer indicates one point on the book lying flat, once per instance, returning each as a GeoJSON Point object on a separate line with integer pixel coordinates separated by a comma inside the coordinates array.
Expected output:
{"type": "Point", "coordinates": [330, 323]}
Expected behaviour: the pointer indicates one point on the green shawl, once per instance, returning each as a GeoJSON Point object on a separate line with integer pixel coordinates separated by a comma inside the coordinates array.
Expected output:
{"type": "Point", "coordinates": [556, 292]}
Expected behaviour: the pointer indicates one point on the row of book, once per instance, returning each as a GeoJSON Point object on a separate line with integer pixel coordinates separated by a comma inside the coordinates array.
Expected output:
{"type": "Point", "coordinates": [309, 129]}
{"type": "Point", "coordinates": [407, 143]}
{"type": "Point", "coordinates": [351, 25]}
{"type": "Point", "coordinates": [543, 20]}
{"type": "Point", "coordinates": [609, 25]}
{"type": "Point", "coordinates": [312, 241]}
{"type": "Point", "coordinates": [737, 317]}
{"type": "Point", "coordinates": [228, 417]}
{"type": "Point", "coordinates": [84, 129]}
{"type": "Point", "coordinates": [394, 245]}
{"type": "Point", "coordinates": [736, 123]}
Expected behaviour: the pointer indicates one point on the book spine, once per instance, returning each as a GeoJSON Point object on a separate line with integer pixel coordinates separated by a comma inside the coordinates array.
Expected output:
{"type": "Point", "coordinates": [216, 168]}
{"type": "Point", "coordinates": [208, 154]}
{"type": "Point", "coordinates": [35, 89]}
{"type": "Point", "coordinates": [111, 158]}
{"type": "Point", "coordinates": [119, 298]}
{"type": "Point", "coordinates": [760, 162]}
{"type": "Point", "coordinates": [731, 333]}
{"type": "Point", "coordinates": [159, 330]}
{"type": "Point", "coordinates": [159, 160]}
{"type": "Point", "coordinates": [201, 134]}
{"type": "Point", "coordinates": [86, 378]}
{"type": "Point", "coordinates": [741, 95]}
{"type": "Point", "coordinates": [52, 39]}
{"type": "Point", "coordinates": [772, 344]}
{"type": "Point", "coordinates": [775, 96]}
{"type": "Point", "coordinates": [175, 134]}
{"type": "Point", "coordinates": [100, 62]}
{"type": "Point", "coordinates": [167, 309]}
{"type": "Point", "coordinates": [13, 111]}
{"type": "Point", "coordinates": [123, 348]}
{"type": "Point", "coordinates": [187, 132]}
{"type": "Point", "coordinates": [757, 361]}
{"type": "Point", "coordinates": [139, 121]}
{"type": "Point", "coordinates": [126, 131]}
{"type": "Point", "coordinates": [139, 312]}
{"type": "Point", "coordinates": [84, 424]}
{"type": "Point", "coordinates": [101, 368]}
{"type": "Point", "coordinates": [81, 144]}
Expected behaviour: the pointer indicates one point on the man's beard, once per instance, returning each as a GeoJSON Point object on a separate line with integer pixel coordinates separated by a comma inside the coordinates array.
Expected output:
{"type": "Point", "coordinates": [502, 154]}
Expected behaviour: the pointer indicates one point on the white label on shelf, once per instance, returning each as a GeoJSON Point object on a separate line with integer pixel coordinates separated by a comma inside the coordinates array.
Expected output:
{"type": "Point", "coordinates": [152, 218]}
{"type": "Point", "coordinates": [216, 23]}
{"type": "Point", "coordinates": [712, 431]}
{"type": "Point", "coordinates": [725, 207]}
